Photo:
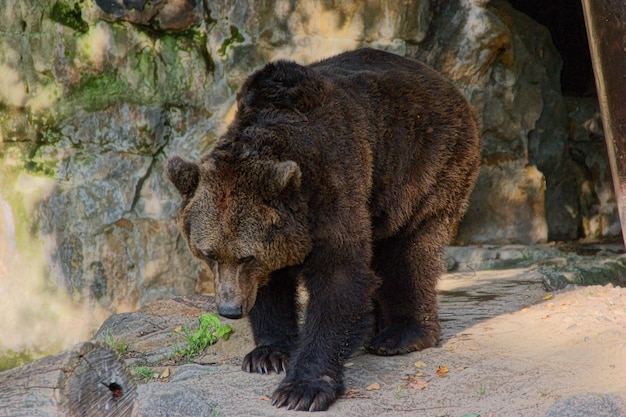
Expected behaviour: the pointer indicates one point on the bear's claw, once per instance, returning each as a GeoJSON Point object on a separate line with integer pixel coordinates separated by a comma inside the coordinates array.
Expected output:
{"type": "Point", "coordinates": [315, 395]}
{"type": "Point", "coordinates": [266, 359]}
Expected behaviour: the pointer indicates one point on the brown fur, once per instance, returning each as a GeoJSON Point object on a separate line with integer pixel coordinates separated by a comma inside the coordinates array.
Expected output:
{"type": "Point", "coordinates": [348, 175]}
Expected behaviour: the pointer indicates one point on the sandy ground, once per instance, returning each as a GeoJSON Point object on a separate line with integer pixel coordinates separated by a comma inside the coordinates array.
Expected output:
{"type": "Point", "coordinates": [511, 346]}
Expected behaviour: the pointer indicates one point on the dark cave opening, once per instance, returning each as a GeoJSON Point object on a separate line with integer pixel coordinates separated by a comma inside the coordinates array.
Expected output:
{"type": "Point", "coordinates": [565, 21]}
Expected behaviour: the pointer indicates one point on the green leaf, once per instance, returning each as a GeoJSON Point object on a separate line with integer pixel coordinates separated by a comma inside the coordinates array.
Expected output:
{"type": "Point", "coordinates": [224, 331]}
{"type": "Point", "coordinates": [209, 331]}
{"type": "Point", "coordinates": [209, 320]}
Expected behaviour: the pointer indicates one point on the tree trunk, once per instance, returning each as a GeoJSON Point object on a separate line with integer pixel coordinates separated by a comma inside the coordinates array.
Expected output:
{"type": "Point", "coordinates": [605, 31]}
{"type": "Point", "coordinates": [86, 380]}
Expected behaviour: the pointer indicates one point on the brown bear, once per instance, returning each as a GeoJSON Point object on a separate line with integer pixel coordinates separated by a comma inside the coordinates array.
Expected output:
{"type": "Point", "coordinates": [347, 176]}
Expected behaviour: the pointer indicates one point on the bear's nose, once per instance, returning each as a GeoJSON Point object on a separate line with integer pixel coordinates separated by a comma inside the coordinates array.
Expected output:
{"type": "Point", "coordinates": [230, 312]}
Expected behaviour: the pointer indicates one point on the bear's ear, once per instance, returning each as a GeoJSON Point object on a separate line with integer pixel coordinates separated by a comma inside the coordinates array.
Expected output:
{"type": "Point", "coordinates": [281, 174]}
{"type": "Point", "coordinates": [184, 175]}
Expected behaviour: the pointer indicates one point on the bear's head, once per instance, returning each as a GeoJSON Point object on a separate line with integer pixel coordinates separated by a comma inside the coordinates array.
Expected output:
{"type": "Point", "coordinates": [244, 217]}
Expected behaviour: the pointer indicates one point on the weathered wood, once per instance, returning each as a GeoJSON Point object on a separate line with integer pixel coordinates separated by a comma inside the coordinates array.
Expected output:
{"type": "Point", "coordinates": [87, 380]}
{"type": "Point", "coordinates": [606, 25]}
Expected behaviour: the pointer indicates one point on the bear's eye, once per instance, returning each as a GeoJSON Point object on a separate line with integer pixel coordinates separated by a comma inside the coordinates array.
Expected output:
{"type": "Point", "coordinates": [246, 259]}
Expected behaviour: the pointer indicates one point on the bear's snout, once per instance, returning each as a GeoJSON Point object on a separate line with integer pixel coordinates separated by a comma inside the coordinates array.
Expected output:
{"type": "Point", "coordinates": [235, 290]}
{"type": "Point", "coordinates": [230, 311]}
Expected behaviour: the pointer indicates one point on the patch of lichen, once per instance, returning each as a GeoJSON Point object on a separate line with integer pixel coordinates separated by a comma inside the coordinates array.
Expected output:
{"type": "Point", "coordinates": [98, 91]}
{"type": "Point", "coordinates": [14, 125]}
{"type": "Point", "coordinates": [177, 78]}
{"type": "Point", "coordinates": [192, 40]}
{"type": "Point", "coordinates": [235, 37]}
{"type": "Point", "coordinates": [156, 71]}
{"type": "Point", "coordinates": [69, 14]}
{"type": "Point", "coordinates": [39, 163]}
{"type": "Point", "coordinates": [24, 132]}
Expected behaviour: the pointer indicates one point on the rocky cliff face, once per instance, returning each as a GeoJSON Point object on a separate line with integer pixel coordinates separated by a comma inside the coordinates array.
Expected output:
{"type": "Point", "coordinates": [95, 95]}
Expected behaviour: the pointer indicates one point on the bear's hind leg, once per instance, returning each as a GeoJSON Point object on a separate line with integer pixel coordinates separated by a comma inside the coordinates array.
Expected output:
{"type": "Point", "coordinates": [274, 321]}
{"type": "Point", "coordinates": [410, 265]}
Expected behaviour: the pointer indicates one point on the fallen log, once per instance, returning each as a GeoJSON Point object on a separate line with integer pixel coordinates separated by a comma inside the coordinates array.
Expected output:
{"type": "Point", "coordinates": [86, 380]}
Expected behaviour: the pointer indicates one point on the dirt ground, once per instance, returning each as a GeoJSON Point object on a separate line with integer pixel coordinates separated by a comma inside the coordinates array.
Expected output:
{"type": "Point", "coordinates": [512, 345]}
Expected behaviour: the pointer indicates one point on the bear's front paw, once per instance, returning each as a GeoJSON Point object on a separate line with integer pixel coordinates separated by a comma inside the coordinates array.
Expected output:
{"type": "Point", "coordinates": [315, 395]}
{"type": "Point", "coordinates": [397, 339]}
{"type": "Point", "coordinates": [265, 359]}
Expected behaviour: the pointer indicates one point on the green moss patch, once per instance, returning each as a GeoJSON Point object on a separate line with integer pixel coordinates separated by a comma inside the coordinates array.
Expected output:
{"type": "Point", "coordinates": [69, 15]}
{"type": "Point", "coordinates": [235, 37]}
{"type": "Point", "coordinates": [98, 91]}
{"type": "Point", "coordinates": [12, 359]}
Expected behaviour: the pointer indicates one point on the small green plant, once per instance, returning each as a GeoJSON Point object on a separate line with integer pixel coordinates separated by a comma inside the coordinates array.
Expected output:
{"type": "Point", "coordinates": [401, 393]}
{"type": "Point", "coordinates": [209, 331]}
{"type": "Point", "coordinates": [120, 346]}
{"type": "Point", "coordinates": [526, 255]}
{"type": "Point", "coordinates": [481, 390]}
{"type": "Point", "coordinates": [143, 372]}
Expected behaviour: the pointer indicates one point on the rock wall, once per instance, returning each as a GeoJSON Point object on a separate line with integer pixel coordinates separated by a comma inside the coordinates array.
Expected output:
{"type": "Point", "coordinates": [96, 94]}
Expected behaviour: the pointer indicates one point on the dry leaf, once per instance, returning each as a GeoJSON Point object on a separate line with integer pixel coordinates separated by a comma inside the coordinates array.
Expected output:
{"type": "Point", "coordinates": [461, 368]}
{"type": "Point", "coordinates": [352, 393]}
{"type": "Point", "coordinates": [165, 373]}
{"type": "Point", "coordinates": [419, 364]}
{"type": "Point", "coordinates": [374, 387]}
{"type": "Point", "coordinates": [547, 316]}
{"type": "Point", "coordinates": [442, 371]}
{"type": "Point", "coordinates": [419, 373]}
{"type": "Point", "coordinates": [418, 384]}
{"type": "Point", "coordinates": [265, 398]}
{"type": "Point", "coordinates": [348, 364]}
{"type": "Point", "coordinates": [178, 329]}
{"type": "Point", "coordinates": [548, 296]}
{"type": "Point", "coordinates": [415, 383]}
